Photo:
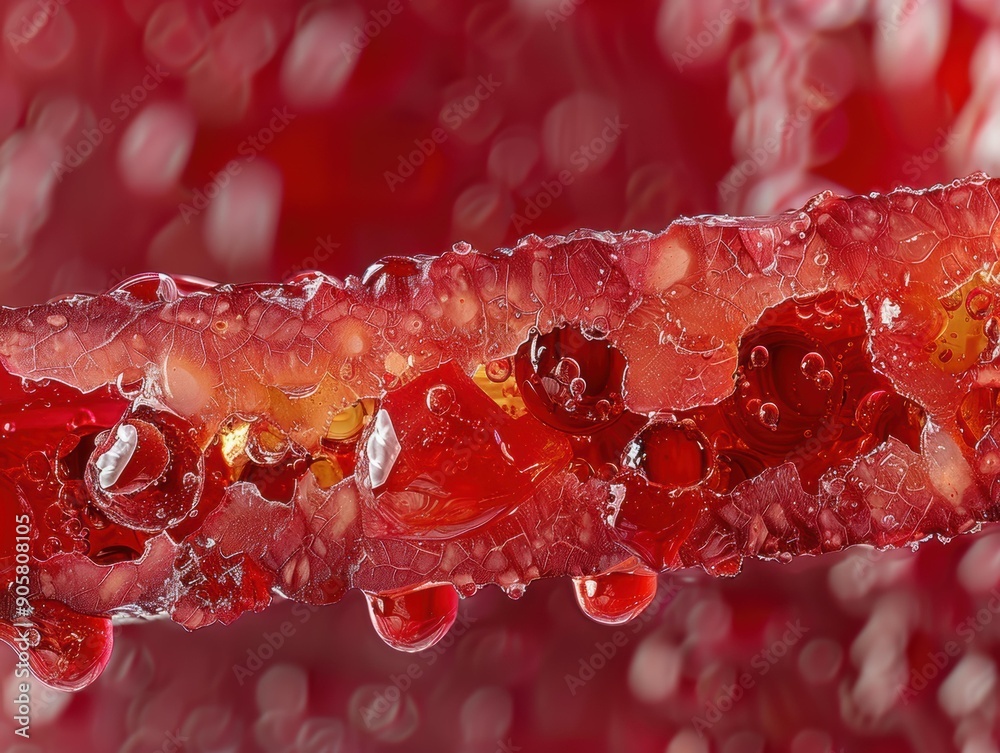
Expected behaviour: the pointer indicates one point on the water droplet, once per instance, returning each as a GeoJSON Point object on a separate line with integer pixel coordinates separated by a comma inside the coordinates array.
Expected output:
{"type": "Point", "coordinates": [440, 399]}
{"type": "Point", "coordinates": [812, 364]}
{"type": "Point", "coordinates": [498, 370]}
{"type": "Point", "coordinates": [992, 329]}
{"type": "Point", "coordinates": [759, 357]}
{"type": "Point", "coordinates": [952, 301]}
{"type": "Point", "coordinates": [566, 370]}
{"type": "Point", "coordinates": [979, 303]}
{"type": "Point", "coordinates": [768, 415]}
{"type": "Point", "coordinates": [37, 466]}
{"type": "Point", "coordinates": [414, 620]}
{"type": "Point", "coordinates": [577, 387]}
{"type": "Point", "coordinates": [616, 596]}
{"type": "Point", "coordinates": [824, 380]}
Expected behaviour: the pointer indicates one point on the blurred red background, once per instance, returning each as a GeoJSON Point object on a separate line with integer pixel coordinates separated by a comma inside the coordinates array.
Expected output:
{"type": "Point", "coordinates": [238, 140]}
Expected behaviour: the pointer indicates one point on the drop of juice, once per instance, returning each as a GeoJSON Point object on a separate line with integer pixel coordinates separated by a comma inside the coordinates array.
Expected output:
{"type": "Point", "coordinates": [618, 595]}
{"type": "Point", "coordinates": [415, 619]}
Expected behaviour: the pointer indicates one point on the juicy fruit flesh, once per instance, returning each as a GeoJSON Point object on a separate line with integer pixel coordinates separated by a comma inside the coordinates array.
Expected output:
{"type": "Point", "coordinates": [556, 409]}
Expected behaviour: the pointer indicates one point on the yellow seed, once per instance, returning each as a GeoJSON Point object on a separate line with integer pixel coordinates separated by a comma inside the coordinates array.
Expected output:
{"type": "Point", "coordinates": [233, 439]}
{"type": "Point", "coordinates": [327, 472]}
{"type": "Point", "coordinates": [505, 394]}
{"type": "Point", "coordinates": [349, 422]}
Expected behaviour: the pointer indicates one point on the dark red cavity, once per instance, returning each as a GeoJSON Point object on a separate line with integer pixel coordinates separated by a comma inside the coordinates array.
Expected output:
{"type": "Point", "coordinates": [570, 380]}
{"type": "Point", "coordinates": [806, 393]}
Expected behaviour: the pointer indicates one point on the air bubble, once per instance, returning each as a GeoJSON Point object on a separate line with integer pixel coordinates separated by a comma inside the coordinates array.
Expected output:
{"type": "Point", "coordinates": [498, 370]}
{"type": "Point", "coordinates": [566, 370]}
{"type": "Point", "coordinates": [812, 364]}
{"type": "Point", "coordinates": [824, 380]}
{"type": "Point", "coordinates": [768, 415]}
{"type": "Point", "coordinates": [979, 303]}
{"type": "Point", "coordinates": [440, 399]}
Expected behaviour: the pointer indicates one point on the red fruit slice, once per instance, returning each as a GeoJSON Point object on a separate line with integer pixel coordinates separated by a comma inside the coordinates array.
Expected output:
{"type": "Point", "coordinates": [728, 388]}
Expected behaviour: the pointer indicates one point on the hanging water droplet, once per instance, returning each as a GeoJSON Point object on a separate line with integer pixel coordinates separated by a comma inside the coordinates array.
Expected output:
{"type": "Point", "coordinates": [414, 620]}
{"type": "Point", "coordinates": [768, 415]}
{"type": "Point", "coordinates": [440, 399]}
{"type": "Point", "coordinates": [759, 357]}
{"type": "Point", "coordinates": [618, 595]}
